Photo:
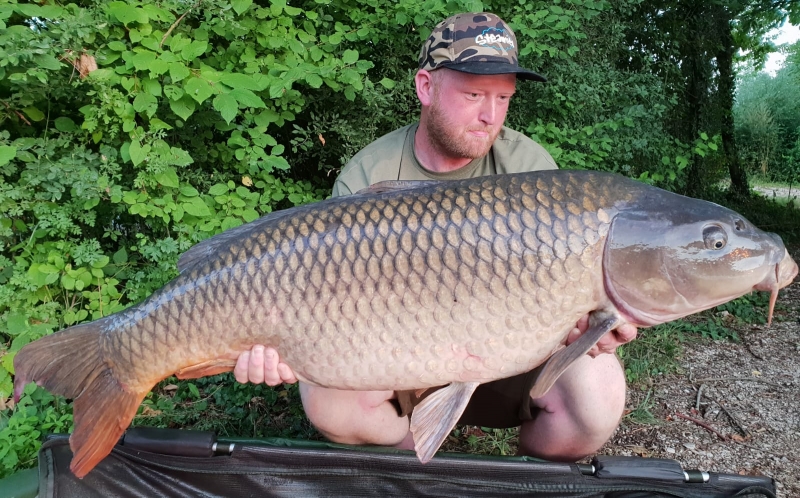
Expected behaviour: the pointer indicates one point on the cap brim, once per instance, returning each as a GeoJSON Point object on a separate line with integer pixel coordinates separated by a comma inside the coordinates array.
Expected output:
{"type": "Point", "coordinates": [493, 67]}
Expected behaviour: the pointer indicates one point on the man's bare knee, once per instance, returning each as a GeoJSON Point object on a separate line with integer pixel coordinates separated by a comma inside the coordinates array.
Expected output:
{"type": "Point", "coordinates": [580, 413]}
{"type": "Point", "coordinates": [354, 417]}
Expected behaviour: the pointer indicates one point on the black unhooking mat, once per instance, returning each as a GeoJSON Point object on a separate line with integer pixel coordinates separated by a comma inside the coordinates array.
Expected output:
{"type": "Point", "coordinates": [164, 462]}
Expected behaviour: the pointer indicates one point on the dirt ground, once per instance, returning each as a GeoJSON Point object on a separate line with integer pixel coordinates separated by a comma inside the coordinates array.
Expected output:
{"type": "Point", "coordinates": [734, 408]}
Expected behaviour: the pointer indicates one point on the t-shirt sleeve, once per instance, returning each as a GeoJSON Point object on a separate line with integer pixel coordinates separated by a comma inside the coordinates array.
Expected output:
{"type": "Point", "coordinates": [378, 161]}
{"type": "Point", "coordinates": [517, 153]}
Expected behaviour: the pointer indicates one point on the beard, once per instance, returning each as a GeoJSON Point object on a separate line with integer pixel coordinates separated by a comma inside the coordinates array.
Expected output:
{"type": "Point", "coordinates": [456, 141]}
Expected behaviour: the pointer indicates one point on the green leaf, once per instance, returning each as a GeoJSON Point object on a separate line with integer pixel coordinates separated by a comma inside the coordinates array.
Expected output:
{"type": "Point", "coordinates": [17, 323]}
{"type": "Point", "coordinates": [151, 86]}
{"type": "Point", "coordinates": [241, 5]}
{"type": "Point", "coordinates": [249, 215]}
{"type": "Point", "coordinates": [65, 124]}
{"type": "Point", "coordinates": [33, 113]}
{"type": "Point", "coordinates": [246, 98]}
{"type": "Point", "coordinates": [101, 262]}
{"type": "Point", "coordinates": [198, 89]}
{"type": "Point", "coordinates": [7, 153]}
{"type": "Point", "coordinates": [91, 203]}
{"type": "Point", "coordinates": [178, 71]}
{"type": "Point", "coordinates": [194, 50]}
{"type": "Point", "coordinates": [159, 67]}
{"type": "Point", "coordinates": [168, 178]}
{"type": "Point", "coordinates": [179, 157]}
{"type": "Point", "coordinates": [142, 60]}
{"type": "Point", "coordinates": [218, 189]}
{"type": "Point", "coordinates": [264, 118]}
{"type": "Point", "coordinates": [314, 81]}
{"type": "Point", "coordinates": [196, 207]}
{"type": "Point", "coordinates": [387, 83]}
{"type": "Point", "coordinates": [183, 107]}
{"type": "Point", "coordinates": [145, 102]}
{"type": "Point", "coordinates": [47, 62]}
{"type": "Point", "coordinates": [238, 80]}
{"type": "Point", "coordinates": [138, 152]}
{"type": "Point", "coordinates": [350, 56]}
{"type": "Point", "coordinates": [117, 46]}
{"type": "Point", "coordinates": [120, 257]}
{"type": "Point", "coordinates": [126, 14]}
{"type": "Point", "coordinates": [189, 191]}
{"type": "Point", "coordinates": [227, 107]}
{"type": "Point", "coordinates": [173, 92]}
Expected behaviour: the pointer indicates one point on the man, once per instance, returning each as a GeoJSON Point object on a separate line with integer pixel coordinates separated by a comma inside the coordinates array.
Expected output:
{"type": "Point", "coordinates": [467, 76]}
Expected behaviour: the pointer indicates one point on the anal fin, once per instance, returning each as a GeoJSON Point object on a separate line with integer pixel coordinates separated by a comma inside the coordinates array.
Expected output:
{"type": "Point", "coordinates": [600, 322]}
{"type": "Point", "coordinates": [434, 418]}
{"type": "Point", "coordinates": [207, 368]}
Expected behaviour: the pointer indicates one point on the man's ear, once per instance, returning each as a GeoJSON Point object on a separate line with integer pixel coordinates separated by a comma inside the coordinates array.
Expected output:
{"type": "Point", "coordinates": [424, 84]}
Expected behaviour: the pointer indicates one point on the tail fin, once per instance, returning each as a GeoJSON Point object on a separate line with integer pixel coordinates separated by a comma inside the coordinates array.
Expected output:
{"type": "Point", "coordinates": [70, 363]}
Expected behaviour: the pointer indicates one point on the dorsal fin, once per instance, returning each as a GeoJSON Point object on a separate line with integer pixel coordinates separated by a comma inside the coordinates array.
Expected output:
{"type": "Point", "coordinates": [395, 185]}
{"type": "Point", "coordinates": [204, 249]}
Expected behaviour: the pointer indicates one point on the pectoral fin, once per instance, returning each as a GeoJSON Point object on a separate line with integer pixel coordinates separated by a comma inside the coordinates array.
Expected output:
{"type": "Point", "coordinates": [599, 324]}
{"type": "Point", "coordinates": [434, 418]}
{"type": "Point", "coordinates": [205, 369]}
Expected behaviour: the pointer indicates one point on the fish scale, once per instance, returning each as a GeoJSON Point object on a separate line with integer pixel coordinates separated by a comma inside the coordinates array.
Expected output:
{"type": "Point", "coordinates": [403, 287]}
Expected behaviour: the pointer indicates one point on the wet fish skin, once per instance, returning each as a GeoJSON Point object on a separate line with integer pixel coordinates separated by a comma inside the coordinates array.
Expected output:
{"type": "Point", "coordinates": [404, 288]}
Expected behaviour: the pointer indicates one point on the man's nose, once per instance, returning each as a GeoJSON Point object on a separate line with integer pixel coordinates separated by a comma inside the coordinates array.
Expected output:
{"type": "Point", "coordinates": [489, 112]}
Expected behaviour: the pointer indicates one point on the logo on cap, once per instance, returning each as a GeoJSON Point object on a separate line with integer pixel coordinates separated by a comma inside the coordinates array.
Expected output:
{"type": "Point", "coordinates": [495, 38]}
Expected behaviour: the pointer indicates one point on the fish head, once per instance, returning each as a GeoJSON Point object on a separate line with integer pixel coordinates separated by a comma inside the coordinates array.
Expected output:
{"type": "Point", "coordinates": [686, 255]}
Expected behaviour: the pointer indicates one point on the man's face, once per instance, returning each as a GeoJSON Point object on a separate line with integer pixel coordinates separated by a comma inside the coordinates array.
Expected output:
{"type": "Point", "coordinates": [467, 111]}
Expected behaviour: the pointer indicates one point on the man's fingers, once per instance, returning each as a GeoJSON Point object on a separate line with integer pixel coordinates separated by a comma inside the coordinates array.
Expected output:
{"type": "Point", "coordinates": [255, 369]}
{"type": "Point", "coordinates": [286, 373]}
{"type": "Point", "coordinates": [240, 370]}
{"type": "Point", "coordinates": [627, 333]}
{"type": "Point", "coordinates": [271, 375]}
{"type": "Point", "coordinates": [583, 323]}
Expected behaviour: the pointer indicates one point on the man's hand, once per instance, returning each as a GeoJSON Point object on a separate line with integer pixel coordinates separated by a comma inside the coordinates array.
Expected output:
{"type": "Point", "coordinates": [608, 343]}
{"type": "Point", "coordinates": [262, 365]}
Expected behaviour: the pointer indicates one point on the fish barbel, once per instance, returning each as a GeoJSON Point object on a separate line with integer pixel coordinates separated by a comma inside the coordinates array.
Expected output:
{"type": "Point", "coordinates": [410, 285]}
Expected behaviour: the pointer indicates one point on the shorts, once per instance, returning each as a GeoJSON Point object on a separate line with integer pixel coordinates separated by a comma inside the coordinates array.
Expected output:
{"type": "Point", "coordinates": [498, 404]}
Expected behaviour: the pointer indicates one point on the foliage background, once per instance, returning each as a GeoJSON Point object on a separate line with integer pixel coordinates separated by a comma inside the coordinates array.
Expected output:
{"type": "Point", "coordinates": [202, 116]}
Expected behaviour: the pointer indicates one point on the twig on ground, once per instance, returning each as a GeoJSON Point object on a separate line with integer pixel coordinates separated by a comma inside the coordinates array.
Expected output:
{"type": "Point", "coordinates": [699, 395]}
{"type": "Point", "coordinates": [733, 419]}
{"type": "Point", "coordinates": [702, 424]}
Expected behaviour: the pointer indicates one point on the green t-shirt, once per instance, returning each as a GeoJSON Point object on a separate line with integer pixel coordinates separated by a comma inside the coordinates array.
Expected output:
{"type": "Point", "coordinates": [392, 157]}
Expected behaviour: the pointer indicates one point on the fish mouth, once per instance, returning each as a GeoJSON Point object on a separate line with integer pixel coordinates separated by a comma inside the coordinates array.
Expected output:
{"type": "Point", "coordinates": [785, 272]}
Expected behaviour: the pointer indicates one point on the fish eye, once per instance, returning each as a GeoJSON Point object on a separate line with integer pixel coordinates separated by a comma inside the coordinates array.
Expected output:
{"type": "Point", "coordinates": [714, 237]}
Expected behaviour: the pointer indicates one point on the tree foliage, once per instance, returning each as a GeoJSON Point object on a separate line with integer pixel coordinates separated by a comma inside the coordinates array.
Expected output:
{"type": "Point", "coordinates": [768, 121]}
{"type": "Point", "coordinates": [129, 131]}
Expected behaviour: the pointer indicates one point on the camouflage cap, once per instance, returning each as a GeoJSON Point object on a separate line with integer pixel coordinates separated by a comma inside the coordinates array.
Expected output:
{"type": "Point", "coordinates": [474, 43]}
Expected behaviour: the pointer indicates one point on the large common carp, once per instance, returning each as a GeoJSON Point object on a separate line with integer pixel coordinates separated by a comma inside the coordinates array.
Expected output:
{"type": "Point", "coordinates": [410, 285]}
